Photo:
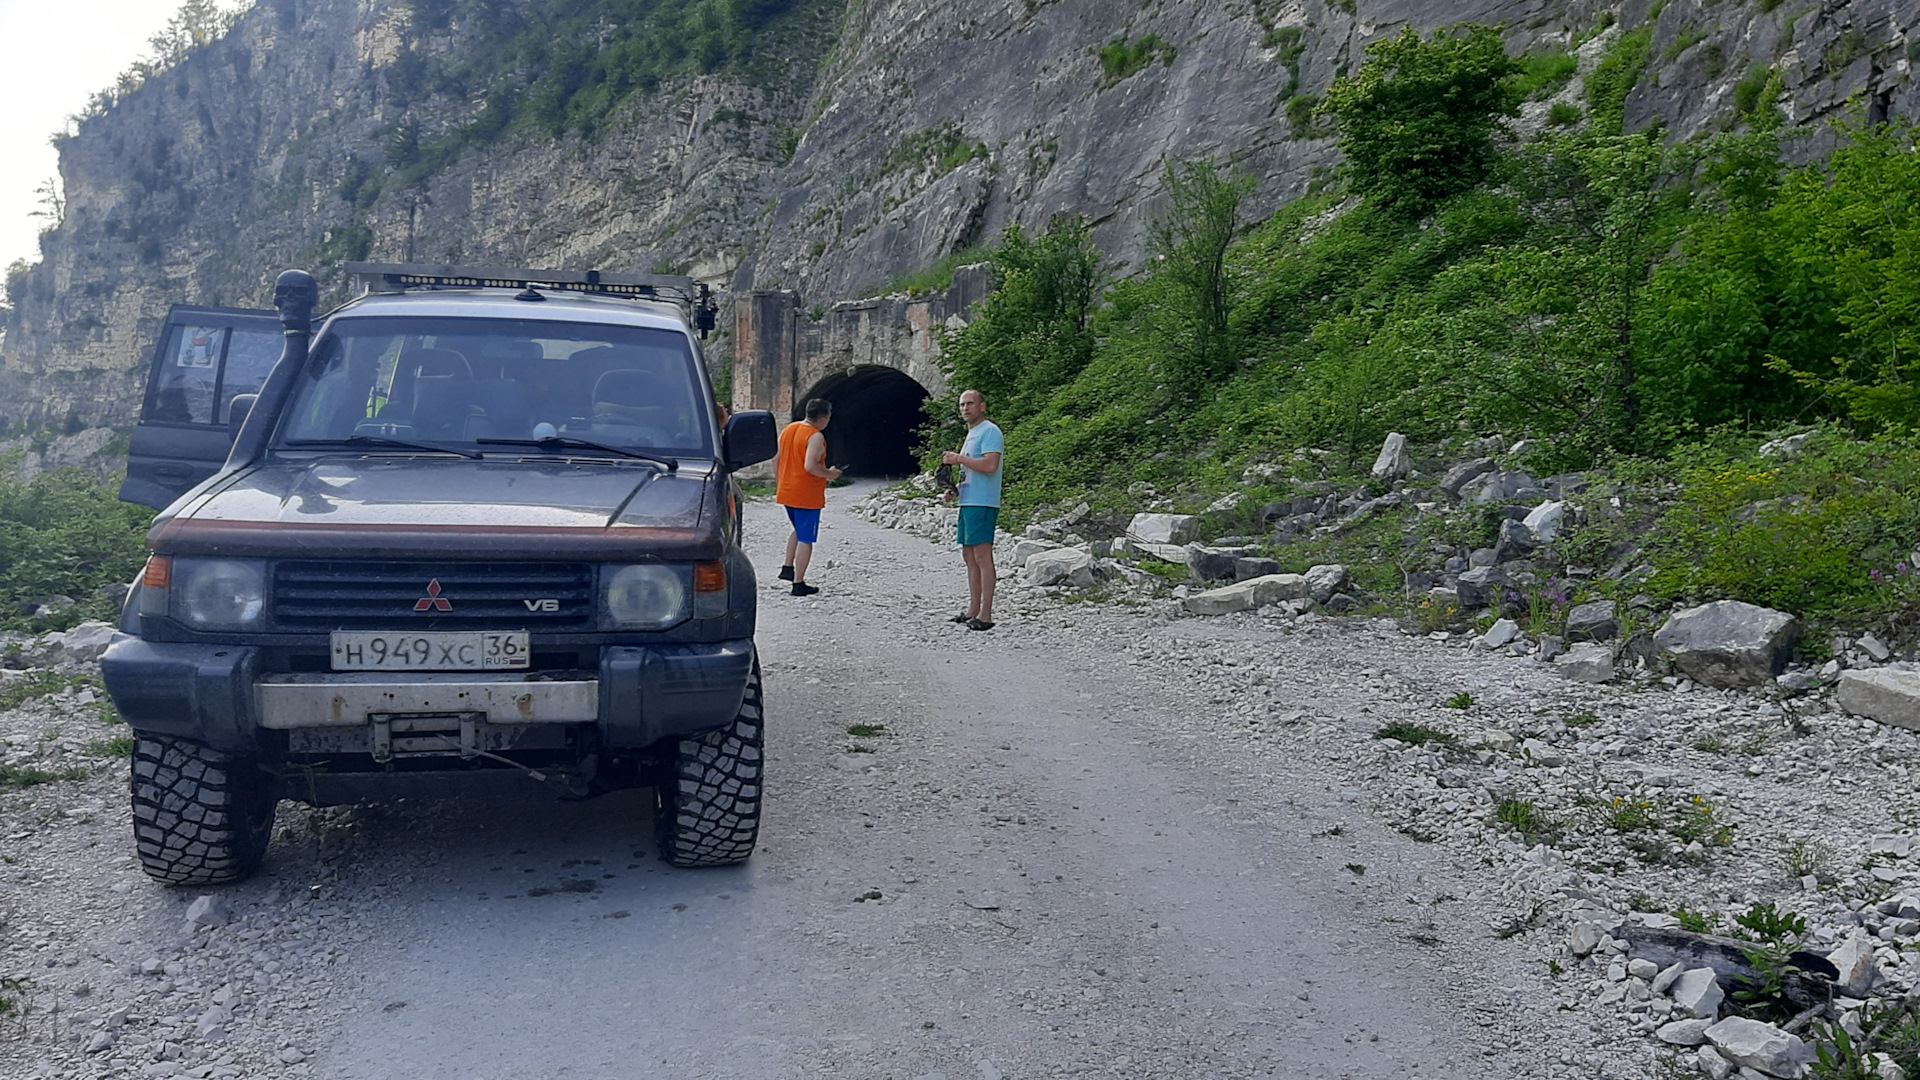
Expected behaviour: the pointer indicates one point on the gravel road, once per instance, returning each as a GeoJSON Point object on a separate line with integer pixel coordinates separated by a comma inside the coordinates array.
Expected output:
{"type": "Point", "coordinates": [1051, 858]}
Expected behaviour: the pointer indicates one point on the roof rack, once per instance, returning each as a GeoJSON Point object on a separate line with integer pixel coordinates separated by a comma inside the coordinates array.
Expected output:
{"type": "Point", "coordinates": [389, 278]}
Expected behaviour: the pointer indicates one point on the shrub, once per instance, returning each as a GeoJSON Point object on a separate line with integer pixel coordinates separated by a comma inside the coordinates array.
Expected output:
{"type": "Point", "coordinates": [1542, 75]}
{"type": "Point", "coordinates": [1614, 77]}
{"type": "Point", "coordinates": [64, 533]}
{"type": "Point", "coordinates": [1122, 59]}
{"type": "Point", "coordinates": [1418, 119]}
{"type": "Point", "coordinates": [1803, 534]}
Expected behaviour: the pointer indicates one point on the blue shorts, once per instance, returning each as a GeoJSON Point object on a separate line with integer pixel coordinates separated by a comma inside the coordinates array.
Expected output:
{"type": "Point", "coordinates": [977, 524]}
{"type": "Point", "coordinates": [806, 524]}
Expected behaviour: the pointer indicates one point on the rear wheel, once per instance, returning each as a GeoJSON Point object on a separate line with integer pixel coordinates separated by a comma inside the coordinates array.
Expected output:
{"type": "Point", "coordinates": [709, 797]}
{"type": "Point", "coordinates": [200, 817]}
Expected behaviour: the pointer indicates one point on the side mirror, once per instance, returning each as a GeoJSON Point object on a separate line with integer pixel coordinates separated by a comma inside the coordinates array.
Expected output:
{"type": "Point", "coordinates": [750, 439]}
{"type": "Point", "coordinates": [238, 412]}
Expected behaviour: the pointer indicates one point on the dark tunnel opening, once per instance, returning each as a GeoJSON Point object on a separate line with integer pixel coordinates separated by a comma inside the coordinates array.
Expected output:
{"type": "Point", "coordinates": [877, 414]}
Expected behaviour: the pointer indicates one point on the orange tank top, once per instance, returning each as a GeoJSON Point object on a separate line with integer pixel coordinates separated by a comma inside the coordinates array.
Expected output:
{"type": "Point", "coordinates": [799, 488]}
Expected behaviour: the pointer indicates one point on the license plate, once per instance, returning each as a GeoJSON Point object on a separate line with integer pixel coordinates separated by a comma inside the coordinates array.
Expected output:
{"type": "Point", "coordinates": [434, 650]}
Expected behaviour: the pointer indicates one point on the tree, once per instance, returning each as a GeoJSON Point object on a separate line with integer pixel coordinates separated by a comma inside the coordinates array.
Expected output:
{"type": "Point", "coordinates": [1031, 336]}
{"type": "Point", "coordinates": [1417, 120]}
{"type": "Point", "coordinates": [1192, 286]}
{"type": "Point", "coordinates": [1854, 227]}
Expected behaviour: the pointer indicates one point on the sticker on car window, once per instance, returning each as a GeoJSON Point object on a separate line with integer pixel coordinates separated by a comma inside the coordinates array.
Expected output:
{"type": "Point", "coordinates": [200, 346]}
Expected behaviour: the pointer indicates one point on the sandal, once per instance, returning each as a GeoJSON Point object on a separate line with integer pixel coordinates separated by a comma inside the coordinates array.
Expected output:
{"type": "Point", "coordinates": [979, 624]}
{"type": "Point", "coordinates": [961, 619]}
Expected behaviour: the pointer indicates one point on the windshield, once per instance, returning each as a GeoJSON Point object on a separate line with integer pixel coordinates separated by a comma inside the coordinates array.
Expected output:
{"type": "Point", "coordinates": [455, 381]}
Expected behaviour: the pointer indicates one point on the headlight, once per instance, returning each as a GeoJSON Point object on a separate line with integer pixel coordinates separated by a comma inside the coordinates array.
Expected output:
{"type": "Point", "coordinates": [646, 597]}
{"type": "Point", "coordinates": [218, 594]}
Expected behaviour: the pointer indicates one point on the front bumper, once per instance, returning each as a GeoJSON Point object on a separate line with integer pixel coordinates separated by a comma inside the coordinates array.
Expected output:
{"type": "Point", "coordinates": [216, 695]}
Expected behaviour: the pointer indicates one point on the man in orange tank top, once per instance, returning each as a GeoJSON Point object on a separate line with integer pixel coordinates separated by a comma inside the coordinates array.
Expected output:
{"type": "Point", "coordinates": [803, 476]}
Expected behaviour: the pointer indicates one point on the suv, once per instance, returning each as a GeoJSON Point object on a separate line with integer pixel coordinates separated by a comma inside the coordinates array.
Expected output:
{"type": "Point", "coordinates": [481, 536]}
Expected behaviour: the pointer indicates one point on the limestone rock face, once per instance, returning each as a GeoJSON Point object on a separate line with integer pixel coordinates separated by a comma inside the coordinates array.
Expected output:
{"type": "Point", "coordinates": [831, 176]}
{"type": "Point", "coordinates": [1728, 643]}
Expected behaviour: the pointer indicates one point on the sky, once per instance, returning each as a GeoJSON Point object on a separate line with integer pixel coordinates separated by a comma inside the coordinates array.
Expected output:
{"type": "Point", "coordinates": [54, 55]}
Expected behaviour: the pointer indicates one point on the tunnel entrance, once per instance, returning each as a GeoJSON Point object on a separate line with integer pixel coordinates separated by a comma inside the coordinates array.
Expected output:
{"type": "Point", "coordinates": [877, 413]}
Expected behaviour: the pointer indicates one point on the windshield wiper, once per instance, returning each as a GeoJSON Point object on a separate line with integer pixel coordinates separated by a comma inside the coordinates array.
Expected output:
{"type": "Point", "coordinates": [558, 442]}
{"type": "Point", "coordinates": [384, 440]}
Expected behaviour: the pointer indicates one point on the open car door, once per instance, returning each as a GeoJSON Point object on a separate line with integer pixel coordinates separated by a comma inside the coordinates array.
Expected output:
{"type": "Point", "coordinates": [204, 358]}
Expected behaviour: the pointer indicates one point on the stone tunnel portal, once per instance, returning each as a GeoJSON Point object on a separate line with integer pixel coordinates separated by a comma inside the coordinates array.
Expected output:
{"type": "Point", "coordinates": [877, 415]}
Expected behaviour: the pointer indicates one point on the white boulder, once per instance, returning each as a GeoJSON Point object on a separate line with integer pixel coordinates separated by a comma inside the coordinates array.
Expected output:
{"type": "Point", "coordinates": [1854, 961]}
{"type": "Point", "coordinates": [1324, 581]}
{"type": "Point", "coordinates": [1164, 528]}
{"type": "Point", "coordinates": [1543, 521]}
{"type": "Point", "coordinates": [1884, 694]}
{"type": "Point", "coordinates": [1392, 463]}
{"type": "Point", "coordinates": [1697, 992]}
{"type": "Point", "coordinates": [1061, 566]}
{"type": "Point", "coordinates": [1760, 1046]}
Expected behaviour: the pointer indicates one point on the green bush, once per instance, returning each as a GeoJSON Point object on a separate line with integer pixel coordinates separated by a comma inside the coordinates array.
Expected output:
{"type": "Point", "coordinates": [1542, 75]}
{"type": "Point", "coordinates": [64, 533]}
{"type": "Point", "coordinates": [1614, 77]}
{"type": "Point", "coordinates": [1417, 121]}
{"type": "Point", "coordinates": [1122, 59]}
{"type": "Point", "coordinates": [1823, 534]}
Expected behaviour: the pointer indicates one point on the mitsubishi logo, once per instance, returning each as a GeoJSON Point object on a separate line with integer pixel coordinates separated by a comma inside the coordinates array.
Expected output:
{"type": "Point", "coordinates": [433, 601]}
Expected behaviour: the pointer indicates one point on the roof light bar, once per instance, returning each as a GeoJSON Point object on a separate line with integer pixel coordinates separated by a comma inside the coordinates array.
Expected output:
{"type": "Point", "coordinates": [397, 277]}
{"type": "Point", "coordinates": [391, 278]}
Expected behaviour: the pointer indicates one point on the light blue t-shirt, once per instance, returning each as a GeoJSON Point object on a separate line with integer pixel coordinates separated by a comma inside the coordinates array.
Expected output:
{"type": "Point", "coordinates": [982, 489]}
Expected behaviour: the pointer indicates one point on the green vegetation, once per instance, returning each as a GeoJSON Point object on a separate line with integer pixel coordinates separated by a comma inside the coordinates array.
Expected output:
{"type": "Point", "coordinates": [1414, 734]}
{"type": "Point", "coordinates": [1543, 75]}
{"type": "Point", "coordinates": [936, 277]}
{"type": "Point", "coordinates": [64, 533]}
{"type": "Point", "coordinates": [41, 683]}
{"type": "Point", "coordinates": [1649, 312]}
{"type": "Point", "coordinates": [1461, 700]}
{"type": "Point", "coordinates": [1614, 77]}
{"type": "Point", "coordinates": [1526, 819]}
{"type": "Point", "coordinates": [1774, 935]}
{"type": "Point", "coordinates": [1122, 59]}
{"type": "Point", "coordinates": [22, 776]}
{"type": "Point", "coordinates": [1417, 121]}
{"type": "Point", "coordinates": [1698, 922]}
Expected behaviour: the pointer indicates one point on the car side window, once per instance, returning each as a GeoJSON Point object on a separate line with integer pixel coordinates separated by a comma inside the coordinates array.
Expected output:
{"type": "Point", "coordinates": [183, 388]}
{"type": "Point", "coordinates": [251, 354]}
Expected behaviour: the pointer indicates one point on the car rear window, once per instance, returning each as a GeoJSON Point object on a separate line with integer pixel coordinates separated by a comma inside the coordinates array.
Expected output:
{"type": "Point", "coordinates": [456, 381]}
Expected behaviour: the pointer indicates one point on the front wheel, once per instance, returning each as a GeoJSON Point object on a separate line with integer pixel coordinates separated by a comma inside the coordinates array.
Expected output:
{"type": "Point", "coordinates": [709, 795]}
{"type": "Point", "coordinates": [200, 817]}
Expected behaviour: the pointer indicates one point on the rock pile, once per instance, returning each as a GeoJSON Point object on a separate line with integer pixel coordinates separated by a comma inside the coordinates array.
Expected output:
{"type": "Point", "coordinates": [1603, 813]}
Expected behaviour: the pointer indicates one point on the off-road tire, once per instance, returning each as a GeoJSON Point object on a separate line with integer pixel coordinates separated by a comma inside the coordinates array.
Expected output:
{"type": "Point", "coordinates": [709, 795]}
{"type": "Point", "coordinates": [200, 817]}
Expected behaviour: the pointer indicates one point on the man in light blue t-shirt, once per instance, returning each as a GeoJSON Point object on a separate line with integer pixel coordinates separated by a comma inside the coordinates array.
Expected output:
{"type": "Point", "coordinates": [979, 497]}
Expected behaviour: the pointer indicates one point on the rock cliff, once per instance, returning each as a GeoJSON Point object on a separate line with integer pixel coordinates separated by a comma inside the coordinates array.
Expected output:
{"type": "Point", "coordinates": [894, 133]}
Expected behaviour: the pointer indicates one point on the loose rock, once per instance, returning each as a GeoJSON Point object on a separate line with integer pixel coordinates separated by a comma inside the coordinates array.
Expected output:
{"type": "Point", "coordinates": [1889, 696]}
{"type": "Point", "coordinates": [1728, 643]}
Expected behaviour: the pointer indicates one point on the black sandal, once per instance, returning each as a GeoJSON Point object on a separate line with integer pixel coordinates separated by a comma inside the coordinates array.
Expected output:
{"type": "Point", "coordinates": [979, 624]}
{"type": "Point", "coordinates": [961, 619]}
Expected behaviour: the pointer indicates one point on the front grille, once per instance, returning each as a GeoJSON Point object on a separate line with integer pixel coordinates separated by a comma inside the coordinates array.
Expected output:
{"type": "Point", "coordinates": [471, 596]}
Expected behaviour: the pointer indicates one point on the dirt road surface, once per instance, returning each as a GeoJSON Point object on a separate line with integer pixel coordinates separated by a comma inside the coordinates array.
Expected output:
{"type": "Point", "coordinates": [1005, 854]}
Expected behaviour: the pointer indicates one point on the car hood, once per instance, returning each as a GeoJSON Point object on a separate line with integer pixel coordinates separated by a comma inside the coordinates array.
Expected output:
{"type": "Point", "coordinates": [398, 507]}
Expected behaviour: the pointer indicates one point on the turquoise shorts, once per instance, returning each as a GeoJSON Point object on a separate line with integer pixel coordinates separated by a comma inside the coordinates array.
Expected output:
{"type": "Point", "coordinates": [977, 524]}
